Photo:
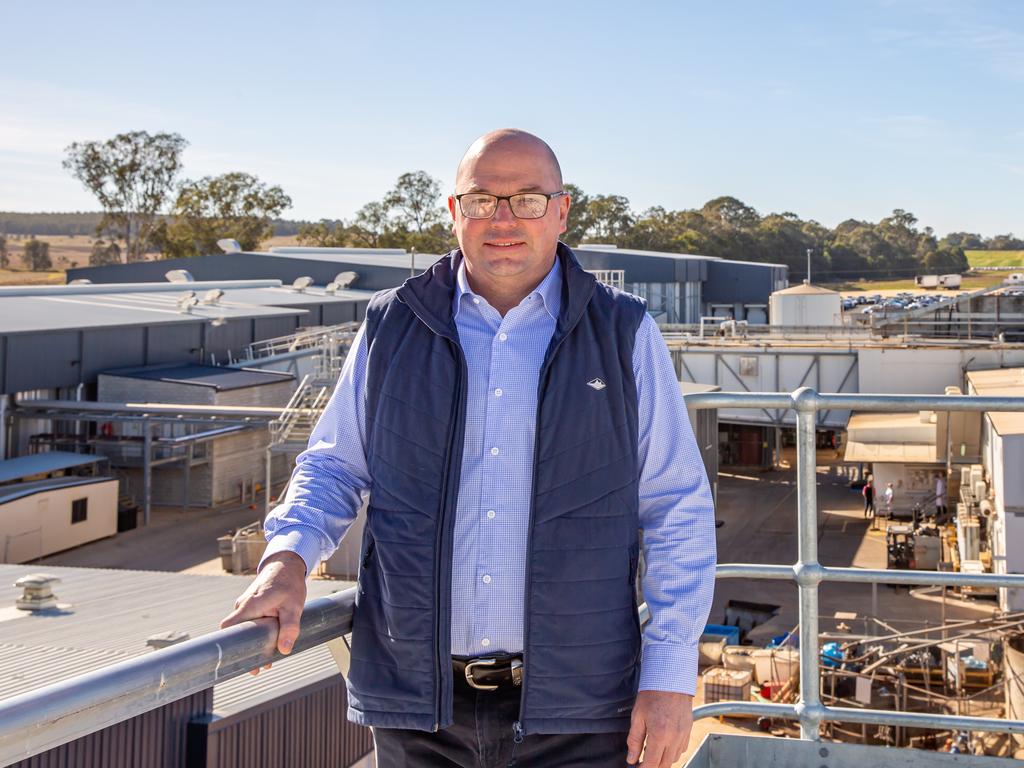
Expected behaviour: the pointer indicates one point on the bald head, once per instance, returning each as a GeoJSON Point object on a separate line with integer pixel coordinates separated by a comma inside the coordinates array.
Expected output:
{"type": "Point", "coordinates": [511, 142]}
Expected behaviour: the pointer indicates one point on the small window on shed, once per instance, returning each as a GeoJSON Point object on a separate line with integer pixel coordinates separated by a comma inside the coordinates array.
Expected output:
{"type": "Point", "coordinates": [79, 510]}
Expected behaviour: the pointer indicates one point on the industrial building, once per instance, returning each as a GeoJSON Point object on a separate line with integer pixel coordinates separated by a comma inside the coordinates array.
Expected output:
{"type": "Point", "coordinates": [679, 288]}
{"type": "Point", "coordinates": [85, 619]}
{"type": "Point", "coordinates": [189, 470]}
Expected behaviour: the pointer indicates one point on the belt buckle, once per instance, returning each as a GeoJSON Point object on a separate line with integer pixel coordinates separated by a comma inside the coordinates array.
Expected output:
{"type": "Point", "coordinates": [469, 673]}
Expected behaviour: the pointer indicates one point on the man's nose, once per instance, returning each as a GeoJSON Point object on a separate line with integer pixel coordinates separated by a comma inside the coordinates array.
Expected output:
{"type": "Point", "coordinates": [503, 213]}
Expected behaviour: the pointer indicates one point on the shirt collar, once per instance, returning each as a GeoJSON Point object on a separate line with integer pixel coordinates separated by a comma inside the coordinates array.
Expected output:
{"type": "Point", "coordinates": [549, 290]}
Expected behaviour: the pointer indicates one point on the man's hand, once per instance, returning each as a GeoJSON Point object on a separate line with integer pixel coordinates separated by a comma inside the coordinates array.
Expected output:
{"type": "Point", "coordinates": [664, 719]}
{"type": "Point", "coordinates": [279, 591]}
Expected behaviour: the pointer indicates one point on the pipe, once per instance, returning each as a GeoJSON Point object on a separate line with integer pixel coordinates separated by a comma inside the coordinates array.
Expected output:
{"type": "Point", "coordinates": [845, 402]}
{"type": "Point", "coordinates": [869, 575]}
{"type": "Point", "coordinates": [150, 408]}
{"type": "Point", "coordinates": [807, 566]}
{"type": "Point", "coordinates": [106, 288]}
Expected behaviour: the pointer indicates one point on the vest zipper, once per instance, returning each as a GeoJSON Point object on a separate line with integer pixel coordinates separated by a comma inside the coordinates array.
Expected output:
{"type": "Point", "coordinates": [518, 732]}
{"type": "Point", "coordinates": [449, 488]}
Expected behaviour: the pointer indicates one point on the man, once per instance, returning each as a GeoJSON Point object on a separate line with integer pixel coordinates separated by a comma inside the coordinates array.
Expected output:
{"type": "Point", "coordinates": [868, 492]}
{"type": "Point", "coordinates": [516, 423]}
{"type": "Point", "coordinates": [888, 496]}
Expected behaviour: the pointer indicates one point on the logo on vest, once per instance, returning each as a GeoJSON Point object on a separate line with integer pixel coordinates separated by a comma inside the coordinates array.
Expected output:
{"type": "Point", "coordinates": [596, 384]}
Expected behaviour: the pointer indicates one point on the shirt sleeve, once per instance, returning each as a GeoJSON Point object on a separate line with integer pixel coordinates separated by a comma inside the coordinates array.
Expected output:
{"type": "Point", "coordinates": [324, 494]}
{"type": "Point", "coordinates": [678, 520]}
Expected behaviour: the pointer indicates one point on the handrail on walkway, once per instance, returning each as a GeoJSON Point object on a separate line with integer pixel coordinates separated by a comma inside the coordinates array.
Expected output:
{"type": "Point", "coordinates": [47, 717]}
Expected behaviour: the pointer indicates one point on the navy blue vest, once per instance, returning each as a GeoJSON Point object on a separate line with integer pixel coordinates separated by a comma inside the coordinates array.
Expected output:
{"type": "Point", "coordinates": [581, 634]}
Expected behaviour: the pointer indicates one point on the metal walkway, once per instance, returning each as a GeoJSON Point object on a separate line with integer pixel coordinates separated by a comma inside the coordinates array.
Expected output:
{"type": "Point", "coordinates": [56, 714]}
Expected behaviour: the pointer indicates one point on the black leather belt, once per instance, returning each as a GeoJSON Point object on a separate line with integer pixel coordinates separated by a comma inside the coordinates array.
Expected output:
{"type": "Point", "coordinates": [489, 673]}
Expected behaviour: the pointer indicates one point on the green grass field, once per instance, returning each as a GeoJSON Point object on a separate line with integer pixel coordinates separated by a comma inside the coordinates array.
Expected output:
{"type": "Point", "coordinates": [995, 258]}
{"type": "Point", "coordinates": [971, 282]}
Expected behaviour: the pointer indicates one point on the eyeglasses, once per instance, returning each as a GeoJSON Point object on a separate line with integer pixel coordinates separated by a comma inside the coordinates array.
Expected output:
{"type": "Point", "coordinates": [525, 205]}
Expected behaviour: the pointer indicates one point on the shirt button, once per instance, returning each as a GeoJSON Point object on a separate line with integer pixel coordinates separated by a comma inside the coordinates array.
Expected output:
{"type": "Point", "coordinates": [485, 642]}
{"type": "Point", "coordinates": [487, 578]}
{"type": "Point", "coordinates": [503, 336]}
{"type": "Point", "coordinates": [499, 392]}
{"type": "Point", "coordinates": [476, 300]}
{"type": "Point", "coordinates": [490, 514]}
{"type": "Point", "coordinates": [495, 451]}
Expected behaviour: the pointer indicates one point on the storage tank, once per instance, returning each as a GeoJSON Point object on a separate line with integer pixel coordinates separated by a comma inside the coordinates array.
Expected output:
{"type": "Point", "coordinates": [805, 304]}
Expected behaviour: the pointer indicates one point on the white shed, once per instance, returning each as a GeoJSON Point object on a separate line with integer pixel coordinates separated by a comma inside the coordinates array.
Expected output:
{"type": "Point", "coordinates": [53, 501]}
{"type": "Point", "coordinates": [805, 305]}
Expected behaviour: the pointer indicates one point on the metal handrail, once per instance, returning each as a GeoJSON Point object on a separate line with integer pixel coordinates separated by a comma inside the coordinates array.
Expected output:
{"type": "Point", "coordinates": [47, 717]}
{"type": "Point", "coordinates": [808, 573]}
{"type": "Point", "coordinates": [290, 413]}
{"type": "Point", "coordinates": [308, 338]}
{"type": "Point", "coordinates": [56, 714]}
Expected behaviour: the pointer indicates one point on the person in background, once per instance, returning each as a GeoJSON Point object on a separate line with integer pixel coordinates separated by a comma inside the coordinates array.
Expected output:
{"type": "Point", "coordinates": [868, 492]}
{"type": "Point", "coordinates": [887, 497]}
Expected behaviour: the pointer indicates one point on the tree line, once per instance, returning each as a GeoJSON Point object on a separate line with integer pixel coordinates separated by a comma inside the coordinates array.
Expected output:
{"type": "Point", "coordinates": [147, 208]}
{"type": "Point", "coordinates": [408, 216]}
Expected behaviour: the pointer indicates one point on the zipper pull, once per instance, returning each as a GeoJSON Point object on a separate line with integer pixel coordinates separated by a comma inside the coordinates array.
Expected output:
{"type": "Point", "coordinates": [517, 730]}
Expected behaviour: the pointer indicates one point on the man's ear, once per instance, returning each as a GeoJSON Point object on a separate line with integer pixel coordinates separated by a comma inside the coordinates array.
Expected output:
{"type": "Point", "coordinates": [564, 203]}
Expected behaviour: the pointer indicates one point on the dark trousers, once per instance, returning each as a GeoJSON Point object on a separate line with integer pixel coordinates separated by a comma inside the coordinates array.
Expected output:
{"type": "Point", "coordinates": [481, 737]}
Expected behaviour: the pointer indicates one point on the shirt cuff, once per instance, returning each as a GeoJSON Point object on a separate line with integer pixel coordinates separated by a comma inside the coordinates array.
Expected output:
{"type": "Point", "coordinates": [304, 542]}
{"type": "Point", "coordinates": [669, 667]}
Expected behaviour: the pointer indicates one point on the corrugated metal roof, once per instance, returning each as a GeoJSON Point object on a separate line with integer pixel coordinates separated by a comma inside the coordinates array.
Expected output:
{"type": "Point", "coordinates": [1001, 382]}
{"type": "Point", "coordinates": [38, 463]}
{"type": "Point", "coordinates": [19, 490]}
{"type": "Point", "coordinates": [215, 376]}
{"type": "Point", "coordinates": [343, 256]}
{"type": "Point", "coordinates": [107, 615]}
{"type": "Point", "coordinates": [26, 314]}
{"type": "Point", "coordinates": [288, 297]}
{"type": "Point", "coordinates": [892, 437]}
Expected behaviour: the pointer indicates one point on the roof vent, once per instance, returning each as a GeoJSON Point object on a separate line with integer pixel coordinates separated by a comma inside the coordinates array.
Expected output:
{"type": "Point", "coordinates": [341, 281]}
{"type": "Point", "coordinates": [212, 296]}
{"type": "Point", "coordinates": [81, 281]}
{"type": "Point", "coordinates": [179, 276]}
{"type": "Point", "coordinates": [166, 639]}
{"type": "Point", "coordinates": [38, 592]}
{"type": "Point", "coordinates": [345, 279]}
{"type": "Point", "coordinates": [229, 245]}
{"type": "Point", "coordinates": [302, 283]}
{"type": "Point", "coordinates": [186, 301]}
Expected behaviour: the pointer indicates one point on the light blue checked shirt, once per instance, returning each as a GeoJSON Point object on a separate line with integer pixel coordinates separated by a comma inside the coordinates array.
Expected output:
{"type": "Point", "coordinates": [504, 356]}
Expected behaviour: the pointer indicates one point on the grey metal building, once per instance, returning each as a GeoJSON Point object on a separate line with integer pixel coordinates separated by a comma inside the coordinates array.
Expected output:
{"type": "Point", "coordinates": [679, 288]}
{"type": "Point", "coordinates": [293, 715]}
{"type": "Point", "coordinates": [63, 336]}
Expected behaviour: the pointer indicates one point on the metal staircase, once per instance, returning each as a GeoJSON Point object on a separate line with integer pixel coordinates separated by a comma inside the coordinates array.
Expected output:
{"type": "Point", "coordinates": [290, 432]}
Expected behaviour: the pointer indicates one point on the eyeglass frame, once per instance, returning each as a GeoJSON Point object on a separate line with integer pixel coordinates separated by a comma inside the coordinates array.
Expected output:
{"type": "Point", "coordinates": [497, 202]}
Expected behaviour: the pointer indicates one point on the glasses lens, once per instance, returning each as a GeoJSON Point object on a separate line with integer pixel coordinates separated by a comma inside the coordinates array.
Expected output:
{"type": "Point", "coordinates": [528, 206]}
{"type": "Point", "coordinates": [478, 206]}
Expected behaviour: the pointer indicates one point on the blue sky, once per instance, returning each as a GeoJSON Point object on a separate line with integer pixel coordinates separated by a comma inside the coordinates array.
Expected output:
{"type": "Point", "coordinates": [829, 110]}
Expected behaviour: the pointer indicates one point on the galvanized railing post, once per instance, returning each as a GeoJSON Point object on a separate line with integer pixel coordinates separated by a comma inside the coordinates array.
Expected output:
{"type": "Point", "coordinates": [807, 570]}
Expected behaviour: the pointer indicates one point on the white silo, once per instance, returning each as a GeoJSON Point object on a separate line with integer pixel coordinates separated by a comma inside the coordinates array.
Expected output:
{"type": "Point", "coordinates": [805, 305]}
